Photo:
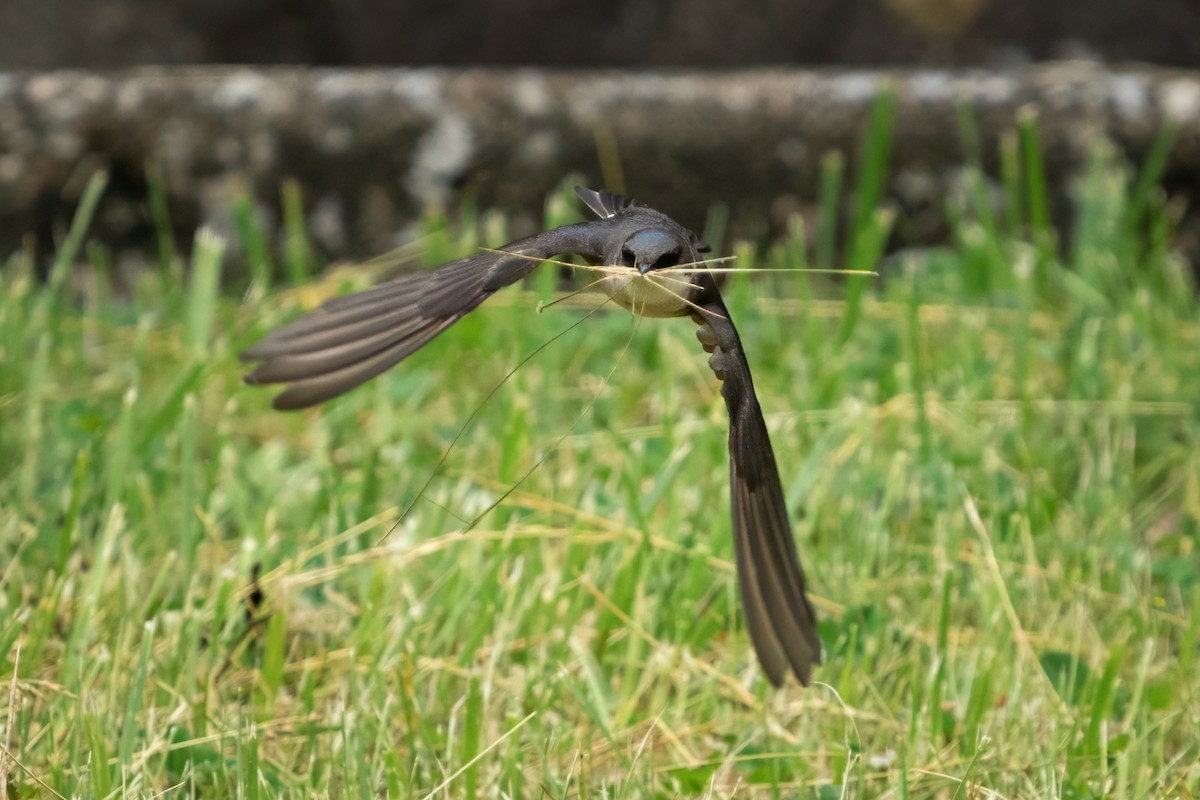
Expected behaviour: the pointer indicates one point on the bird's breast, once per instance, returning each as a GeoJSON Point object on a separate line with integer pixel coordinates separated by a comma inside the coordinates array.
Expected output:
{"type": "Point", "coordinates": [652, 295]}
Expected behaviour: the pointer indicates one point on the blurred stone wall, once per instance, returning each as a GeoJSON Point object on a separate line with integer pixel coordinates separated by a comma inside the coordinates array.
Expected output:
{"type": "Point", "coordinates": [371, 148]}
{"type": "Point", "coordinates": [46, 34]}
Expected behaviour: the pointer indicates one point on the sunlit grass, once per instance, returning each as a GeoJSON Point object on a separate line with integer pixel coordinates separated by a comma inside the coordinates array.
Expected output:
{"type": "Point", "coordinates": [993, 463]}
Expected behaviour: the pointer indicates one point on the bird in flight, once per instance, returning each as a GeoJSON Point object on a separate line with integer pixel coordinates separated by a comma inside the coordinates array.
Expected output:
{"type": "Point", "coordinates": [351, 339]}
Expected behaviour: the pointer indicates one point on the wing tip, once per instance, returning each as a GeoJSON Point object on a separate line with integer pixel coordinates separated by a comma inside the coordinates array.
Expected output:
{"type": "Point", "coordinates": [777, 668]}
{"type": "Point", "coordinates": [285, 401]}
{"type": "Point", "coordinates": [604, 203]}
{"type": "Point", "coordinates": [808, 655]}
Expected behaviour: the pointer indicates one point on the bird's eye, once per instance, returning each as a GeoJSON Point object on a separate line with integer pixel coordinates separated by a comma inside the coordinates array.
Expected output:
{"type": "Point", "coordinates": [627, 257]}
{"type": "Point", "coordinates": [667, 260]}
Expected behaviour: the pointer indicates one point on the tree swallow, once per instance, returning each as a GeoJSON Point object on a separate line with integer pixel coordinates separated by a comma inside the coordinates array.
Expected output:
{"type": "Point", "coordinates": [352, 339]}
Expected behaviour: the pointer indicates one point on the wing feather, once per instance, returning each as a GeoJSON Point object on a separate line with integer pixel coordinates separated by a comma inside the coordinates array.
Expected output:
{"type": "Point", "coordinates": [605, 203]}
{"type": "Point", "coordinates": [351, 339]}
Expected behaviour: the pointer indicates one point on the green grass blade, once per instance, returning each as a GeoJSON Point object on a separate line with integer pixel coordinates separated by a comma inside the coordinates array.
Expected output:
{"type": "Point", "coordinates": [829, 200]}
{"type": "Point", "coordinates": [160, 216]}
{"type": "Point", "coordinates": [253, 240]}
{"type": "Point", "coordinates": [299, 255]}
{"type": "Point", "coordinates": [202, 290]}
{"type": "Point", "coordinates": [136, 701]}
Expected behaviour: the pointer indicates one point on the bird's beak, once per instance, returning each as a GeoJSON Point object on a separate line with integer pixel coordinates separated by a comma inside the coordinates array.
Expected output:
{"type": "Point", "coordinates": [644, 267]}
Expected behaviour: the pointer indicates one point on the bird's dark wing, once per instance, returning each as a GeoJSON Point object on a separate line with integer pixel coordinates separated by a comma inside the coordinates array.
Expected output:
{"type": "Point", "coordinates": [352, 339]}
{"type": "Point", "coordinates": [603, 202]}
{"type": "Point", "coordinates": [779, 618]}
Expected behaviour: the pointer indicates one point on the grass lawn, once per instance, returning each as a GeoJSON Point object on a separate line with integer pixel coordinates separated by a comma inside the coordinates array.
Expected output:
{"type": "Point", "coordinates": [992, 454]}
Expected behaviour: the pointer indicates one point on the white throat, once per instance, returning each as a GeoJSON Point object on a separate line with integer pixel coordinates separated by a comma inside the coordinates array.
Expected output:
{"type": "Point", "coordinates": [652, 295]}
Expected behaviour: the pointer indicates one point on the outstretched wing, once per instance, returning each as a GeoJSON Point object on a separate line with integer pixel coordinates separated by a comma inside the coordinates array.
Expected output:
{"type": "Point", "coordinates": [351, 339]}
{"type": "Point", "coordinates": [779, 618]}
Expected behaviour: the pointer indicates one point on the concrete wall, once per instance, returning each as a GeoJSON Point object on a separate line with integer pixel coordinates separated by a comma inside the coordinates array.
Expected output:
{"type": "Point", "coordinates": [371, 148]}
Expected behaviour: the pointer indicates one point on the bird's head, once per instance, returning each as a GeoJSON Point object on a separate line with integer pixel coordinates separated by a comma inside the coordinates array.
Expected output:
{"type": "Point", "coordinates": [650, 249]}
